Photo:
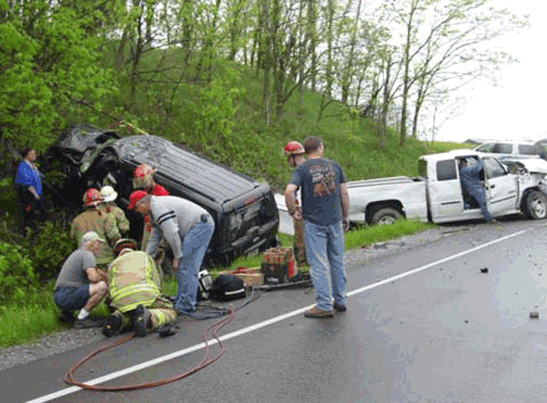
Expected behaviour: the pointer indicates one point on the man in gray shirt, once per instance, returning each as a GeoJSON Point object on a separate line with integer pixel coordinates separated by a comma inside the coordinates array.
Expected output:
{"type": "Point", "coordinates": [188, 229]}
{"type": "Point", "coordinates": [80, 285]}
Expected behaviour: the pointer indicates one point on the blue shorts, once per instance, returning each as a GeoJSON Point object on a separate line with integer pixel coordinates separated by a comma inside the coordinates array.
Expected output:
{"type": "Point", "coordinates": [70, 299]}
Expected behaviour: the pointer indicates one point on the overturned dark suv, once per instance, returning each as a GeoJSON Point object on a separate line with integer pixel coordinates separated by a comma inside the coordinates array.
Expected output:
{"type": "Point", "coordinates": [244, 210]}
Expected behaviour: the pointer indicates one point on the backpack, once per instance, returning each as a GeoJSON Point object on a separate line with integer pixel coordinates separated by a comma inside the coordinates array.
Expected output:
{"type": "Point", "coordinates": [227, 287]}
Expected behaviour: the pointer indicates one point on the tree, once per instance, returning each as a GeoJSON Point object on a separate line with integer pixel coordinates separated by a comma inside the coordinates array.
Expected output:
{"type": "Point", "coordinates": [441, 35]}
{"type": "Point", "coordinates": [49, 68]}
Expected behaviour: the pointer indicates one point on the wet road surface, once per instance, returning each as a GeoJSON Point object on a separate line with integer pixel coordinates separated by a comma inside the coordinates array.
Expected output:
{"type": "Point", "coordinates": [422, 324]}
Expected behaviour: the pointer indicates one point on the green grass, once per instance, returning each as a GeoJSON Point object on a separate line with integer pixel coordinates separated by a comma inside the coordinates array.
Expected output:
{"type": "Point", "coordinates": [21, 324]}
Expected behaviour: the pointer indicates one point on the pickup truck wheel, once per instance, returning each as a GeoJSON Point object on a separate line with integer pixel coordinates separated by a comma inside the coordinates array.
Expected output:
{"type": "Point", "coordinates": [385, 216]}
{"type": "Point", "coordinates": [535, 205]}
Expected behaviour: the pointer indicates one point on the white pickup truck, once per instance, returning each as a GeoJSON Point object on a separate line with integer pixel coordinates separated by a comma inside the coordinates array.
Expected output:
{"type": "Point", "coordinates": [436, 194]}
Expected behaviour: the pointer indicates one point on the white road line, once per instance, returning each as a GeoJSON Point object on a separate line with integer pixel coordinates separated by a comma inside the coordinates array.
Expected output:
{"type": "Point", "coordinates": [180, 353]}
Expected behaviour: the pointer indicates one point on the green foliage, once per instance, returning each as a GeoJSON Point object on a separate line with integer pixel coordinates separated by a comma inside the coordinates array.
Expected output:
{"type": "Point", "coordinates": [17, 277]}
{"type": "Point", "coordinates": [215, 112]}
{"type": "Point", "coordinates": [50, 73]}
{"type": "Point", "coordinates": [49, 248]}
{"type": "Point", "coordinates": [7, 190]}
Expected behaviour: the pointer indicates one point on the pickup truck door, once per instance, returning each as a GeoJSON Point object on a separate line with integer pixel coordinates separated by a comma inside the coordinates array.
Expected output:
{"type": "Point", "coordinates": [501, 187]}
{"type": "Point", "coordinates": [444, 192]}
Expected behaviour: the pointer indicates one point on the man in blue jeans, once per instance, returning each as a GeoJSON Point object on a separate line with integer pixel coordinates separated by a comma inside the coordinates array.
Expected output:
{"type": "Point", "coordinates": [188, 229]}
{"type": "Point", "coordinates": [325, 209]}
{"type": "Point", "coordinates": [471, 182]}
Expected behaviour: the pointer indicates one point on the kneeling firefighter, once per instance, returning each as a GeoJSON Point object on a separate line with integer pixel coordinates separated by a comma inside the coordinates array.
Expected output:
{"type": "Point", "coordinates": [135, 293]}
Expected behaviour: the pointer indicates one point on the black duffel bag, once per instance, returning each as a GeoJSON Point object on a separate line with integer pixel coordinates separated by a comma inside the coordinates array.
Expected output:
{"type": "Point", "coordinates": [227, 287]}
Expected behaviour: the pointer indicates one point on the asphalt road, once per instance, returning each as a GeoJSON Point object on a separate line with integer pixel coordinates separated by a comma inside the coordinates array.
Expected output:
{"type": "Point", "coordinates": [423, 323]}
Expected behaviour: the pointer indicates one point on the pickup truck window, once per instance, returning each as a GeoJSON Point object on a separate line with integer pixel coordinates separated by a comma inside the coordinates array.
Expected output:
{"type": "Point", "coordinates": [493, 168]}
{"type": "Point", "coordinates": [446, 170]}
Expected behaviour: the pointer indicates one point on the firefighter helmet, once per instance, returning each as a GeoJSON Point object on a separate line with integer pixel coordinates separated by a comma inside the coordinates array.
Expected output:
{"type": "Point", "coordinates": [92, 197]}
{"type": "Point", "coordinates": [124, 243]}
{"type": "Point", "coordinates": [294, 148]}
{"type": "Point", "coordinates": [143, 176]}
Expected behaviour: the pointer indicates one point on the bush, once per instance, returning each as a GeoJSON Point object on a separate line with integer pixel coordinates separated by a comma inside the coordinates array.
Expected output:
{"type": "Point", "coordinates": [49, 248]}
{"type": "Point", "coordinates": [17, 277]}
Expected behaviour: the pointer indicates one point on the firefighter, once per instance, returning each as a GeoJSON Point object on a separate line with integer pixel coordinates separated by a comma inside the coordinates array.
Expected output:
{"type": "Point", "coordinates": [109, 207]}
{"type": "Point", "coordinates": [143, 179]}
{"type": "Point", "coordinates": [135, 293]}
{"type": "Point", "coordinates": [295, 156]}
{"type": "Point", "coordinates": [94, 219]}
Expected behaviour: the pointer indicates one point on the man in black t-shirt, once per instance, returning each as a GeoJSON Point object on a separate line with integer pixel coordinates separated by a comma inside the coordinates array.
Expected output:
{"type": "Point", "coordinates": [325, 209]}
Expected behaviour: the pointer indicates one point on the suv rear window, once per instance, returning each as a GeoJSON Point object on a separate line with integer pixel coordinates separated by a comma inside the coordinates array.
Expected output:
{"type": "Point", "coordinates": [527, 149]}
{"type": "Point", "coordinates": [503, 148]}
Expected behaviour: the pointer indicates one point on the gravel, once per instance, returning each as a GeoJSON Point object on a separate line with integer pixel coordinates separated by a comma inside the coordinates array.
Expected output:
{"type": "Point", "coordinates": [70, 339]}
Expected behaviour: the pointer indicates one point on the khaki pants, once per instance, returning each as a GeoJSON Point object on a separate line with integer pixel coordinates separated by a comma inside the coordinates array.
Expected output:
{"type": "Point", "coordinates": [299, 244]}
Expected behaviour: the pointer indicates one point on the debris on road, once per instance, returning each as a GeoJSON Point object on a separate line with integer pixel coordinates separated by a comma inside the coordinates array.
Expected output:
{"type": "Point", "coordinates": [484, 270]}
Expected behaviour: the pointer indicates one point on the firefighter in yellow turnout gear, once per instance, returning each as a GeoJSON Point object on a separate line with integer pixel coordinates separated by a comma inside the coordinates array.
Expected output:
{"type": "Point", "coordinates": [135, 292]}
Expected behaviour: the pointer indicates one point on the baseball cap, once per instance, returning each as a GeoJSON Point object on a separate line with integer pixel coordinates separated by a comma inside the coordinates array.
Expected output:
{"type": "Point", "coordinates": [135, 197]}
{"type": "Point", "coordinates": [90, 236]}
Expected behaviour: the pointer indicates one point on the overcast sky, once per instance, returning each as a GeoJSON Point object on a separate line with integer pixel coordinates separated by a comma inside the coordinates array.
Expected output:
{"type": "Point", "coordinates": [515, 109]}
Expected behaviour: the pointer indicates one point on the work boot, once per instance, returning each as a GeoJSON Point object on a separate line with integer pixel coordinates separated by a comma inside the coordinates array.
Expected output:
{"type": "Point", "coordinates": [168, 329]}
{"type": "Point", "coordinates": [316, 312]}
{"type": "Point", "coordinates": [339, 307]}
{"type": "Point", "coordinates": [143, 321]}
{"type": "Point", "coordinates": [113, 325]}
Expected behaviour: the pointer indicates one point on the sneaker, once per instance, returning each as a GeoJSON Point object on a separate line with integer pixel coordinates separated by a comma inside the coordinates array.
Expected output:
{"type": "Point", "coordinates": [339, 307]}
{"type": "Point", "coordinates": [493, 221]}
{"type": "Point", "coordinates": [86, 323]}
{"type": "Point", "coordinates": [316, 312]}
{"type": "Point", "coordinates": [143, 321]}
{"type": "Point", "coordinates": [113, 325]}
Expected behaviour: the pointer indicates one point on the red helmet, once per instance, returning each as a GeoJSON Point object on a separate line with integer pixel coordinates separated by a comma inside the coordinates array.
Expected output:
{"type": "Point", "coordinates": [92, 197]}
{"type": "Point", "coordinates": [143, 170]}
{"type": "Point", "coordinates": [143, 176]}
{"type": "Point", "coordinates": [294, 148]}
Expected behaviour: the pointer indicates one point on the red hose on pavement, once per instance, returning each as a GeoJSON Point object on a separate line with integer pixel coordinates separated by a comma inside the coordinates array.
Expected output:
{"type": "Point", "coordinates": [207, 360]}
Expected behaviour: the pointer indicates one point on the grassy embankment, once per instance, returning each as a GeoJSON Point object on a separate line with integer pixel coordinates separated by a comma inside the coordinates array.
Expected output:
{"type": "Point", "coordinates": [255, 150]}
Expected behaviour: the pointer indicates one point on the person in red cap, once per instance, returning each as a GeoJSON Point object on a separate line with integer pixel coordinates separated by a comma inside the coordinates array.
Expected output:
{"type": "Point", "coordinates": [296, 155]}
{"type": "Point", "coordinates": [93, 219]}
{"type": "Point", "coordinates": [143, 179]}
{"type": "Point", "coordinates": [188, 229]}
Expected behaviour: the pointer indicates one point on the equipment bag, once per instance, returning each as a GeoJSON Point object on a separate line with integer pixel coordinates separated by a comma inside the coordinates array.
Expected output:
{"type": "Point", "coordinates": [204, 285]}
{"type": "Point", "coordinates": [227, 287]}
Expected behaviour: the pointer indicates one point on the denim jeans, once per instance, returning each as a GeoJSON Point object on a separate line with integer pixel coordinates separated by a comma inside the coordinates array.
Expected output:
{"type": "Point", "coordinates": [478, 195]}
{"type": "Point", "coordinates": [325, 254]}
{"type": "Point", "coordinates": [194, 246]}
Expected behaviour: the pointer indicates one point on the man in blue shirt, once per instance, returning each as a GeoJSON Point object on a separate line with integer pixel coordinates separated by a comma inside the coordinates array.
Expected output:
{"type": "Point", "coordinates": [29, 189]}
{"type": "Point", "coordinates": [325, 209]}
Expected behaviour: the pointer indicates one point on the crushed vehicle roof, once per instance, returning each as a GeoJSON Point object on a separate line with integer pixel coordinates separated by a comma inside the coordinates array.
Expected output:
{"type": "Point", "coordinates": [80, 138]}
